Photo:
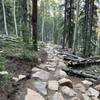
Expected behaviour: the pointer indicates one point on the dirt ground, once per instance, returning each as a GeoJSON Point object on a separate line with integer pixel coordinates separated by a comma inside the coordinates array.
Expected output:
{"type": "Point", "coordinates": [15, 67]}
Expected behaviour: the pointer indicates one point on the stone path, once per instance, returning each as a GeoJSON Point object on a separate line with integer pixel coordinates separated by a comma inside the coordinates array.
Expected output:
{"type": "Point", "coordinates": [52, 83]}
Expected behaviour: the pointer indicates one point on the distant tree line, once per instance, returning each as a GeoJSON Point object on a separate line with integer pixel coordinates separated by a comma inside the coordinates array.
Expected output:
{"type": "Point", "coordinates": [71, 23]}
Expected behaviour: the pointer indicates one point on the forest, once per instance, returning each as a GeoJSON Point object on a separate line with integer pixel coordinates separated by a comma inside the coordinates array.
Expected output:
{"type": "Point", "coordinates": [49, 49]}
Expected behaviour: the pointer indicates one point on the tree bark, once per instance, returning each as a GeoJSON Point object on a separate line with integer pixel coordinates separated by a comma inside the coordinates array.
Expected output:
{"type": "Point", "coordinates": [76, 26]}
{"type": "Point", "coordinates": [81, 74]}
{"type": "Point", "coordinates": [15, 18]}
{"type": "Point", "coordinates": [25, 33]}
{"type": "Point", "coordinates": [89, 9]}
{"type": "Point", "coordinates": [53, 28]}
{"type": "Point", "coordinates": [4, 15]}
{"type": "Point", "coordinates": [43, 22]}
{"type": "Point", "coordinates": [34, 24]}
{"type": "Point", "coordinates": [65, 26]}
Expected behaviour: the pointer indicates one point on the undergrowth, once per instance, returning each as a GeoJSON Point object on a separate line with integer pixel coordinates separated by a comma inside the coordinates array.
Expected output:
{"type": "Point", "coordinates": [15, 49]}
{"type": "Point", "coordinates": [4, 76]}
{"type": "Point", "coordinates": [21, 50]}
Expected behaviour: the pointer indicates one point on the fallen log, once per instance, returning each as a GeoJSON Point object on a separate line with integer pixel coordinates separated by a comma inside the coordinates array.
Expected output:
{"type": "Point", "coordinates": [81, 74]}
{"type": "Point", "coordinates": [76, 61]}
{"type": "Point", "coordinates": [83, 64]}
{"type": "Point", "coordinates": [72, 57]}
{"type": "Point", "coordinates": [93, 58]}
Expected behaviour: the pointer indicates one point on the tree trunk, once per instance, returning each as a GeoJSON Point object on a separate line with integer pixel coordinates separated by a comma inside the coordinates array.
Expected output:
{"type": "Point", "coordinates": [34, 24]}
{"type": "Point", "coordinates": [98, 45]}
{"type": "Point", "coordinates": [65, 26]}
{"type": "Point", "coordinates": [76, 26]}
{"type": "Point", "coordinates": [15, 18]}
{"type": "Point", "coordinates": [25, 33]}
{"type": "Point", "coordinates": [89, 8]}
{"type": "Point", "coordinates": [43, 22]}
{"type": "Point", "coordinates": [85, 37]}
{"type": "Point", "coordinates": [69, 25]}
{"type": "Point", "coordinates": [4, 15]}
{"type": "Point", "coordinates": [53, 28]}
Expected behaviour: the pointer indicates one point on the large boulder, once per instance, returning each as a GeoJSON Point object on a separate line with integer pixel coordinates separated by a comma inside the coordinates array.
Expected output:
{"type": "Point", "coordinates": [92, 92]}
{"type": "Point", "coordinates": [33, 95]}
{"type": "Point", "coordinates": [66, 82]}
{"type": "Point", "coordinates": [59, 74]}
{"type": "Point", "coordinates": [68, 91]}
{"type": "Point", "coordinates": [41, 87]}
{"type": "Point", "coordinates": [87, 83]}
{"type": "Point", "coordinates": [80, 87]}
{"type": "Point", "coordinates": [43, 75]}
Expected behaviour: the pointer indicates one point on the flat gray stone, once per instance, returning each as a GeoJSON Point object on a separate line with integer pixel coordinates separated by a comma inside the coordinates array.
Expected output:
{"type": "Point", "coordinates": [43, 75]}
{"type": "Point", "coordinates": [58, 96]}
{"type": "Point", "coordinates": [86, 97]}
{"type": "Point", "coordinates": [33, 95]}
{"type": "Point", "coordinates": [92, 92]}
{"type": "Point", "coordinates": [68, 91]}
{"type": "Point", "coordinates": [80, 87]}
{"type": "Point", "coordinates": [60, 74]}
{"type": "Point", "coordinates": [41, 87]}
{"type": "Point", "coordinates": [53, 85]}
{"type": "Point", "coordinates": [87, 83]}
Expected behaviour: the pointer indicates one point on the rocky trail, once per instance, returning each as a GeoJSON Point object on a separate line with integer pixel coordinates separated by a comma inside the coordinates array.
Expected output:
{"type": "Point", "coordinates": [48, 81]}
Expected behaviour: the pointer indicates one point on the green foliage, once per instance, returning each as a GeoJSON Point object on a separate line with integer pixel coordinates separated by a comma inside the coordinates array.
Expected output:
{"type": "Point", "coordinates": [18, 49]}
{"type": "Point", "coordinates": [2, 63]}
{"type": "Point", "coordinates": [12, 48]}
{"type": "Point", "coordinates": [27, 52]}
{"type": "Point", "coordinates": [4, 78]}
